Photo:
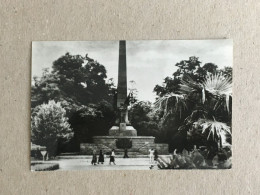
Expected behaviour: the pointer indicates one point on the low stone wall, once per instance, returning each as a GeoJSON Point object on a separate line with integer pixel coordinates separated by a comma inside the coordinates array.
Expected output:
{"type": "Point", "coordinates": [161, 148]}
{"type": "Point", "coordinates": [140, 144]}
{"type": "Point", "coordinates": [88, 148]}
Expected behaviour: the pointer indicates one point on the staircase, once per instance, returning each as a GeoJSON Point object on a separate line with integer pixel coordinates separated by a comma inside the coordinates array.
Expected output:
{"type": "Point", "coordinates": [119, 154]}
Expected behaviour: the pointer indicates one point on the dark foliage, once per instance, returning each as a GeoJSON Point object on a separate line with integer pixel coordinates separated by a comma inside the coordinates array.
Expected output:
{"type": "Point", "coordinates": [80, 85]}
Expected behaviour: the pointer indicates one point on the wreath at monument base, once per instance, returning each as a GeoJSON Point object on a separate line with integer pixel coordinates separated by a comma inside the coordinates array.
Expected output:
{"type": "Point", "coordinates": [124, 143]}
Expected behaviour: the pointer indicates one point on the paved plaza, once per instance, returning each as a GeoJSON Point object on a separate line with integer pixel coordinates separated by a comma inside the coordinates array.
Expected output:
{"type": "Point", "coordinates": [84, 163]}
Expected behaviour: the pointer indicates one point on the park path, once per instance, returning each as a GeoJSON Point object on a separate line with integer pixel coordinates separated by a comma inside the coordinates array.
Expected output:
{"type": "Point", "coordinates": [121, 164]}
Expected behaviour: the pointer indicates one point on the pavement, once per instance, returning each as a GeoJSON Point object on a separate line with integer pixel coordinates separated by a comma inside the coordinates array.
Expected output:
{"type": "Point", "coordinates": [121, 164]}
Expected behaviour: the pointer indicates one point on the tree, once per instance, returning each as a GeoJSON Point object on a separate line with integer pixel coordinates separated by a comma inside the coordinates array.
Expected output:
{"type": "Point", "coordinates": [79, 84]}
{"type": "Point", "coordinates": [44, 89]}
{"type": "Point", "coordinates": [75, 80]}
{"type": "Point", "coordinates": [83, 79]}
{"type": "Point", "coordinates": [194, 92]}
{"type": "Point", "coordinates": [212, 111]}
{"type": "Point", "coordinates": [192, 68]}
{"type": "Point", "coordinates": [208, 105]}
{"type": "Point", "coordinates": [92, 120]}
{"type": "Point", "coordinates": [50, 126]}
{"type": "Point", "coordinates": [145, 120]}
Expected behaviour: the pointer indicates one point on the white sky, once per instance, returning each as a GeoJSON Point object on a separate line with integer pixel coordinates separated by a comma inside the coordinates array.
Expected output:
{"type": "Point", "coordinates": [148, 62]}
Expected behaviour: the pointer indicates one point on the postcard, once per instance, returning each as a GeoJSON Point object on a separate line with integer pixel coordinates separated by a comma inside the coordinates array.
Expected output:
{"type": "Point", "coordinates": [131, 105]}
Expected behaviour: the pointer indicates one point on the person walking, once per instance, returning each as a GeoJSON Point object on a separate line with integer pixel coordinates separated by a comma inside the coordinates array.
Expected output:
{"type": "Point", "coordinates": [94, 158]}
{"type": "Point", "coordinates": [101, 157]}
{"type": "Point", "coordinates": [151, 152]}
{"type": "Point", "coordinates": [112, 157]}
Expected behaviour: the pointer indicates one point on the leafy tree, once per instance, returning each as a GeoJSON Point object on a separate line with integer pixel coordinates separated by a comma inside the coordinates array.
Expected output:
{"type": "Point", "coordinates": [227, 72]}
{"type": "Point", "coordinates": [50, 126]}
{"type": "Point", "coordinates": [82, 78]}
{"type": "Point", "coordinates": [74, 79]}
{"type": "Point", "coordinates": [80, 85]}
{"type": "Point", "coordinates": [44, 89]}
{"type": "Point", "coordinates": [92, 120]}
{"type": "Point", "coordinates": [145, 120]}
{"type": "Point", "coordinates": [193, 69]}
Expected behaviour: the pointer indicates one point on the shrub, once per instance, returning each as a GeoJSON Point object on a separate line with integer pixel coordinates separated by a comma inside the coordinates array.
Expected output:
{"type": "Point", "coordinates": [194, 160]}
{"type": "Point", "coordinates": [49, 125]}
{"type": "Point", "coordinates": [44, 166]}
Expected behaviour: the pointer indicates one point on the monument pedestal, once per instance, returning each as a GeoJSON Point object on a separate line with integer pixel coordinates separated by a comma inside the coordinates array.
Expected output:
{"type": "Point", "coordinates": [122, 130]}
{"type": "Point", "coordinates": [140, 145]}
{"type": "Point", "coordinates": [123, 137]}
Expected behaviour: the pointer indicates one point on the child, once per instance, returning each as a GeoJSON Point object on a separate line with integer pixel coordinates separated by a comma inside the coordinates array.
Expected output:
{"type": "Point", "coordinates": [112, 157]}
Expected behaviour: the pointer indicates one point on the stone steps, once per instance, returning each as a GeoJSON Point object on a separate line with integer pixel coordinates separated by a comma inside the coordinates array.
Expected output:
{"type": "Point", "coordinates": [69, 154]}
{"type": "Point", "coordinates": [90, 157]}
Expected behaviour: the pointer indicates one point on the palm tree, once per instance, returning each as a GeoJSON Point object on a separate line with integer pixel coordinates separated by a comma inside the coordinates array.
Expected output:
{"type": "Point", "coordinates": [207, 102]}
{"type": "Point", "coordinates": [171, 102]}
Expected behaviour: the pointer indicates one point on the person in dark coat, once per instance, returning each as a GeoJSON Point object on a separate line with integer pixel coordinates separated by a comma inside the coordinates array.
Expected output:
{"type": "Point", "coordinates": [101, 157]}
{"type": "Point", "coordinates": [94, 158]}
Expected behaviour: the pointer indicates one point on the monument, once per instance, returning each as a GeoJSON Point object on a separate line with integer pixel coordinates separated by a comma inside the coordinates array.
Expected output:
{"type": "Point", "coordinates": [122, 125]}
{"type": "Point", "coordinates": [122, 135]}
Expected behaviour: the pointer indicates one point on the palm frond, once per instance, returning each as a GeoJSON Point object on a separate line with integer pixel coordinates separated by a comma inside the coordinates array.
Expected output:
{"type": "Point", "coordinates": [162, 103]}
{"type": "Point", "coordinates": [216, 85]}
{"type": "Point", "coordinates": [188, 85]}
{"type": "Point", "coordinates": [219, 86]}
{"type": "Point", "coordinates": [214, 128]}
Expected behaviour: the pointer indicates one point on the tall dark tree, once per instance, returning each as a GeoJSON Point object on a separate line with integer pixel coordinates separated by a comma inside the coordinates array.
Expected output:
{"type": "Point", "coordinates": [80, 85]}
{"type": "Point", "coordinates": [82, 80]}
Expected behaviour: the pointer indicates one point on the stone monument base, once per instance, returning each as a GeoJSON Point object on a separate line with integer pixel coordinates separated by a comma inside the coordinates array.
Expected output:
{"type": "Point", "coordinates": [127, 131]}
{"type": "Point", "coordinates": [140, 145]}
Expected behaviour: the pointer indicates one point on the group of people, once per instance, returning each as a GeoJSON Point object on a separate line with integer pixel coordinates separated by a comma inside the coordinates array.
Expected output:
{"type": "Point", "coordinates": [101, 159]}
{"type": "Point", "coordinates": [153, 156]}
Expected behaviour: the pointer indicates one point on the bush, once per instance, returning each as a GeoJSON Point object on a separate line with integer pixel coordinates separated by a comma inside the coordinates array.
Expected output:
{"type": "Point", "coordinates": [49, 126]}
{"type": "Point", "coordinates": [194, 160]}
{"type": "Point", "coordinates": [44, 166]}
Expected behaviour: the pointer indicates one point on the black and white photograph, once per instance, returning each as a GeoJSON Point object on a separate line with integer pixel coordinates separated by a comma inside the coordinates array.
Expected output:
{"type": "Point", "coordinates": [131, 105]}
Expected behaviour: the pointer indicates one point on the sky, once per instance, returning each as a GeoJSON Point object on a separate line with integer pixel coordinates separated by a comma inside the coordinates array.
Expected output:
{"type": "Point", "coordinates": [148, 62]}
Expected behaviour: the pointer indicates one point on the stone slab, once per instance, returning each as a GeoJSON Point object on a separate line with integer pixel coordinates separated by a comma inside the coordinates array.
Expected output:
{"type": "Point", "coordinates": [122, 130]}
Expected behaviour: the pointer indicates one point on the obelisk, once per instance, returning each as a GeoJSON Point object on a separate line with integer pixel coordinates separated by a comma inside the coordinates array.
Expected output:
{"type": "Point", "coordinates": [123, 127]}
{"type": "Point", "coordinates": [122, 75]}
